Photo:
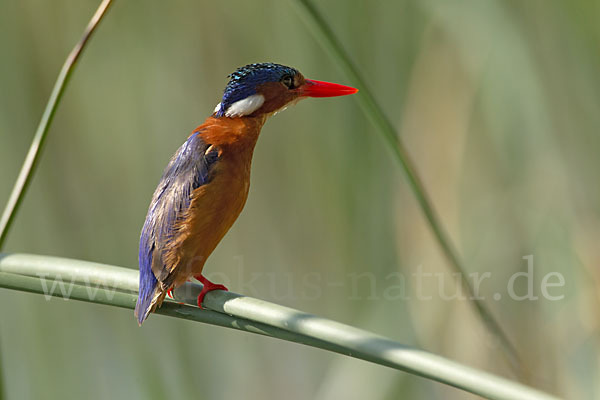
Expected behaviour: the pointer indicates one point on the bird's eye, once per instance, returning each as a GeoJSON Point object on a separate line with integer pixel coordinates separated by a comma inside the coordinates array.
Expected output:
{"type": "Point", "coordinates": [288, 81]}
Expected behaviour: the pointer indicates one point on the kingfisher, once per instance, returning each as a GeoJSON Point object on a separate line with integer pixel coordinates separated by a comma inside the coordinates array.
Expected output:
{"type": "Point", "coordinates": [205, 185]}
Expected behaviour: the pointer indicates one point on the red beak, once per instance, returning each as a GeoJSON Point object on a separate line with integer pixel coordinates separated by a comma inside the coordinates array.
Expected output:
{"type": "Point", "coordinates": [325, 89]}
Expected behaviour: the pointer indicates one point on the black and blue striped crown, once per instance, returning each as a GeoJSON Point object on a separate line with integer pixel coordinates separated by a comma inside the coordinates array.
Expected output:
{"type": "Point", "coordinates": [244, 80]}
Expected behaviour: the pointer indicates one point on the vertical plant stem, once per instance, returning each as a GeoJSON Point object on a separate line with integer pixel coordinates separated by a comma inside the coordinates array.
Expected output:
{"type": "Point", "coordinates": [319, 27]}
{"type": "Point", "coordinates": [32, 158]}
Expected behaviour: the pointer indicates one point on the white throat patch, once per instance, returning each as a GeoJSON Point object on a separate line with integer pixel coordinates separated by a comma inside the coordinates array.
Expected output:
{"type": "Point", "coordinates": [245, 106]}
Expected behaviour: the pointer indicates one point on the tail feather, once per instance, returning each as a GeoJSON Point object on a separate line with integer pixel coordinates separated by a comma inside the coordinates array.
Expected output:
{"type": "Point", "coordinates": [150, 295]}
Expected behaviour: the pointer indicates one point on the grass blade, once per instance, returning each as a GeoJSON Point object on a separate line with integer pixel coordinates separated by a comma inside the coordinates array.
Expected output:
{"type": "Point", "coordinates": [324, 34]}
{"type": "Point", "coordinates": [32, 158]}
{"type": "Point", "coordinates": [110, 285]}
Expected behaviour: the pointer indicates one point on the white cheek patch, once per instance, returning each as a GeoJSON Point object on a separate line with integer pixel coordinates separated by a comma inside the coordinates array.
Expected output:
{"type": "Point", "coordinates": [245, 106]}
{"type": "Point", "coordinates": [217, 108]}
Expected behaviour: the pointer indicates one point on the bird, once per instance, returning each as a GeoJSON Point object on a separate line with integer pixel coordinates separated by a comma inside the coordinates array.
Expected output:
{"type": "Point", "coordinates": [205, 185]}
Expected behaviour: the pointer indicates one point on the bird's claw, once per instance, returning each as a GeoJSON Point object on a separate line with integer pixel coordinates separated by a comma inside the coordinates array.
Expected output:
{"type": "Point", "coordinates": [208, 286]}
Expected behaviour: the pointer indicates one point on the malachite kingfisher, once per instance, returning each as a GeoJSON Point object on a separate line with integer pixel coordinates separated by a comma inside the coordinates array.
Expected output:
{"type": "Point", "coordinates": [205, 185]}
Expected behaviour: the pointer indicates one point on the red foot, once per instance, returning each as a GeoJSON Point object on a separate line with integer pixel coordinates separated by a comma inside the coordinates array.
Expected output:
{"type": "Point", "coordinates": [208, 287]}
{"type": "Point", "coordinates": [172, 297]}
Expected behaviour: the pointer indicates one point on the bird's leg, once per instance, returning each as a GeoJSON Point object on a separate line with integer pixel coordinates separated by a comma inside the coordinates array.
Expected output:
{"type": "Point", "coordinates": [172, 296]}
{"type": "Point", "coordinates": [208, 287]}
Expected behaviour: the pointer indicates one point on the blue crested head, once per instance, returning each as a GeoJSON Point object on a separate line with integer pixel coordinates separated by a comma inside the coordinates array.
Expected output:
{"type": "Point", "coordinates": [265, 88]}
{"type": "Point", "coordinates": [245, 82]}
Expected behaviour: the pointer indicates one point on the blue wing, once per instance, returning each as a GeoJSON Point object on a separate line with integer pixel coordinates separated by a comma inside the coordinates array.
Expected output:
{"type": "Point", "coordinates": [188, 169]}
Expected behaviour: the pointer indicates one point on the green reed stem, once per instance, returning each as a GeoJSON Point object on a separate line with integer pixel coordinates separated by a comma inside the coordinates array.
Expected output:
{"type": "Point", "coordinates": [31, 160]}
{"type": "Point", "coordinates": [324, 34]}
{"type": "Point", "coordinates": [117, 286]}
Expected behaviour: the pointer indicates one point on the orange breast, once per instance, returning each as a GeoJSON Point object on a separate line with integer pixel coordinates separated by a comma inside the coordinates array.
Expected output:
{"type": "Point", "coordinates": [216, 205]}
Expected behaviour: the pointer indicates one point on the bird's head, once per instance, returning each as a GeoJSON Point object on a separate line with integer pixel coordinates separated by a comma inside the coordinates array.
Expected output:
{"type": "Point", "coordinates": [265, 88]}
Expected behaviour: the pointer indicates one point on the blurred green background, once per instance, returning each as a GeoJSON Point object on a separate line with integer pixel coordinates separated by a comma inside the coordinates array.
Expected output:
{"type": "Point", "coordinates": [497, 102]}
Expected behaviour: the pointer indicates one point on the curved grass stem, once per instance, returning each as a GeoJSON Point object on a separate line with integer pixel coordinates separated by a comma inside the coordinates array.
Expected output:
{"type": "Point", "coordinates": [324, 34]}
{"type": "Point", "coordinates": [116, 286]}
{"type": "Point", "coordinates": [32, 158]}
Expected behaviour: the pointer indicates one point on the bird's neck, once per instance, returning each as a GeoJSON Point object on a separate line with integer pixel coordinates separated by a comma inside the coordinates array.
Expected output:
{"type": "Point", "coordinates": [232, 132]}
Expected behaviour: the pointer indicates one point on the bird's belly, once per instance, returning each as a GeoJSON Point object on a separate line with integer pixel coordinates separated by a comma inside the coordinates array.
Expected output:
{"type": "Point", "coordinates": [213, 210]}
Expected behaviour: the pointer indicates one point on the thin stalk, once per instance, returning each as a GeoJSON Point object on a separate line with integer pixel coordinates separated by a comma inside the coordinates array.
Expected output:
{"type": "Point", "coordinates": [32, 158]}
{"type": "Point", "coordinates": [109, 285]}
{"type": "Point", "coordinates": [324, 34]}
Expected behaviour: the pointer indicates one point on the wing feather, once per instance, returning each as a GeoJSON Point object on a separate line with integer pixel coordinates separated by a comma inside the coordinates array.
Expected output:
{"type": "Point", "coordinates": [189, 168]}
